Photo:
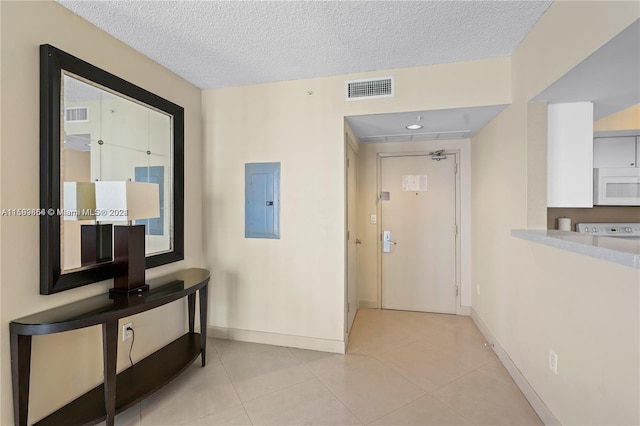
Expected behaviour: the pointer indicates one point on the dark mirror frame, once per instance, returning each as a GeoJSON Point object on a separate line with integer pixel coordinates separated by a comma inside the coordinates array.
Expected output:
{"type": "Point", "coordinates": [52, 62]}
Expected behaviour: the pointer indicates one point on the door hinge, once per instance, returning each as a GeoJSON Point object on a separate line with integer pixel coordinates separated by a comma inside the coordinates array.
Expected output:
{"type": "Point", "coordinates": [348, 307]}
{"type": "Point", "coordinates": [455, 168]}
{"type": "Point", "coordinates": [455, 229]}
{"type": "Point", "coordinates": [348, 235]}
{"type": "Point", "coordinates": [348, 163]}
{"type": "Point", "coordinates": [457, 291]}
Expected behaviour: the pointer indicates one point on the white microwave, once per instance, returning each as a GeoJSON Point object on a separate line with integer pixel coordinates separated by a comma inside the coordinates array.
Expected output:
{"type": "Point", "coordinates": [619, 186]}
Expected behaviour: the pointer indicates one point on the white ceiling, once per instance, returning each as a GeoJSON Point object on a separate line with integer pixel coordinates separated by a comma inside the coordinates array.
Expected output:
{"type": "Point", "coordinates": [231, 43]}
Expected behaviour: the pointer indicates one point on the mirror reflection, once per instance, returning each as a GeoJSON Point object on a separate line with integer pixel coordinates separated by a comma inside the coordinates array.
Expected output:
{"type": "Point", "coordinates": [109, 137]}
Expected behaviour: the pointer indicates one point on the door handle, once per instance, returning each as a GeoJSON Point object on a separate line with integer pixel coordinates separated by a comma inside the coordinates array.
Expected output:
{"type": "Point", "coordinates": [386, 242]}
{"type": "Point", "coordinates": [358, 241]}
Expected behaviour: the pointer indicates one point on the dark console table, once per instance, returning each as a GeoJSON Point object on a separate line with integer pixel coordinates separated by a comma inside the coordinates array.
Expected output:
{"type": "Point", "coordinates": [123, 390]}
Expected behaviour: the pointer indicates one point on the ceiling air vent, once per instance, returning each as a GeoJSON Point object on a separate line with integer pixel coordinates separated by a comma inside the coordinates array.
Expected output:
{"type": "Point", "coordinates": [76, 115]}
{"type": "Point", "coordinates": [369, 88]}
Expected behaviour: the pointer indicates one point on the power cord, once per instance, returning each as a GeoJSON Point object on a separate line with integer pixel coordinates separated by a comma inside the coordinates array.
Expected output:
{"type": "Point", "coordinates": [133, 339]}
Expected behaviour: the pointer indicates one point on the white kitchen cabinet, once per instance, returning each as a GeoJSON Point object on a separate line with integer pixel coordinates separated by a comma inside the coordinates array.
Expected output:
{"type": "Point", "coordinates": [618, 151]}
{"type": "Point", "coordinates": [570, 155]}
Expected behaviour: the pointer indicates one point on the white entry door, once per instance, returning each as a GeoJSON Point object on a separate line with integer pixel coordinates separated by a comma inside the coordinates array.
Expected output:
{"type": "Point", "coordinates": [419, 222]}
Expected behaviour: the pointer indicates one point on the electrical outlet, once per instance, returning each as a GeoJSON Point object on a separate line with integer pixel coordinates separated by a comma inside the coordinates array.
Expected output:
{"type": "Point", "coordinates": [553, 361]}
{"type": "Point", "coordinates": [127, 334]}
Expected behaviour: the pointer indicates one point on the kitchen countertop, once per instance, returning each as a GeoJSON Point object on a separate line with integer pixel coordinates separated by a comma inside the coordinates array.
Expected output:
{"type": "Point", "coordinates": [617, 250]}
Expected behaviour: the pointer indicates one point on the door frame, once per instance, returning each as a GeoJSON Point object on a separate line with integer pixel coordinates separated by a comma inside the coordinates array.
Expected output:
{"type": "Point", "coordinates": [460, 310]}
{"type": "Point", "coordinates": [349, 143]}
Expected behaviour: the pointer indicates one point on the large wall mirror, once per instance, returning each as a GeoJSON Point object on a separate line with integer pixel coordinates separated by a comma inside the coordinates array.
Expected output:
{"type": "Point", "coordinates": [95, 126]}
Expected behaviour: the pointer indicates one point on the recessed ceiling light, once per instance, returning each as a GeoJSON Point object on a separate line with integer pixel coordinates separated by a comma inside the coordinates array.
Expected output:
{"type": "Point", "coordinates": [414, 127]}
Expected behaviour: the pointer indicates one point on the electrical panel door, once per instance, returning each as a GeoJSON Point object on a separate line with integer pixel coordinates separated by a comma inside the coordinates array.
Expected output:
{"type": "Point", "coordinates": [262, 200]}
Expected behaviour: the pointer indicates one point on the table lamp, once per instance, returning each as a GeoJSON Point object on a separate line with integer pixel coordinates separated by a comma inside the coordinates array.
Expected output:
{"type": "Point", "coordinates": [127, 201]}
{"type": "Point", "coordinates": [79, 203]}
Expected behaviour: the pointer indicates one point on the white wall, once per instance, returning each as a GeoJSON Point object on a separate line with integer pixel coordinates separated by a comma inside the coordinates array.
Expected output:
{"type": "Point", "coordinates": [66, 365]}
{"type": "Point", "coordinates": [291, 291]}
{"type": "Point", "coordinates": [534, 298]}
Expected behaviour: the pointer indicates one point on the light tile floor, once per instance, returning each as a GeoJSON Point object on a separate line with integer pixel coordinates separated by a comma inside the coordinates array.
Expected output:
{"type": "Point", "coordinates": [401, 368]}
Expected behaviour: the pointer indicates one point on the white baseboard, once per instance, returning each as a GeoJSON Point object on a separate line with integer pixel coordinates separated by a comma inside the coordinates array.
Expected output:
{"type": "Point", "coordinates": [372, 304]}
{"type": "Point", "coordinates": [536, 402]}
{"type": "Point", "coordinates": [276, 339]}
{"type": "Point", "coordinates": [463, 310]}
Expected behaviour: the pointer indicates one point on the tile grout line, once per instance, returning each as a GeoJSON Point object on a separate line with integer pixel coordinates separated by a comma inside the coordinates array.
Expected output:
{"type": "Point", "coordinates": [405, 345]}
{"type": "Point", "coordinates": [449, 406]}
{"type": "Point", "coordinates": [437, 388]}
{"type": "Point", "coordinates": [376, 357]}
{"type": "Point", "coordinates": [455, 411]}
{"type": "Point", "coordinates": [460, 378]}
{"type": "Point", "coordinates": [273, 391]}
{"type": "Point", "coordinates": [512, 384]}
{"type": "Point", "coordinates": [399, 408]}
{"type": "Point", "coordinates": [405, 377]}
{"type": "Point", "coordinates": [382, 364]}
{"type": "Point", "coordinates": [278, 390]}
{"type": "Point", "coordinates": [339, 400]}
{"type": "Point", "coordinates": [327, 387]}
{"type": "Point", "coordinates": [232, 385]}
{"type": "Point", "coordinates": [227, 374]}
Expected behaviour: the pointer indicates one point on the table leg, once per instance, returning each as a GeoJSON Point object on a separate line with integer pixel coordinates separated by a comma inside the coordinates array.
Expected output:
{"type": "Point", "coordinates": [191, 300]}
{"type": "Point", "coordinates": [202, 295]}
{"type": "Point", "coordinates": [109, 353]}
{"type": "Point", "coordinates": [20, 370]}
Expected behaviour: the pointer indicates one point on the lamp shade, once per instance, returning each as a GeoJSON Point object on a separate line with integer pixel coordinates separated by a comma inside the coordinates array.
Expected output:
{"type": "Point", "coordinates": [126, 200]}
{"type": "Point", "coordinates": [79, 200]}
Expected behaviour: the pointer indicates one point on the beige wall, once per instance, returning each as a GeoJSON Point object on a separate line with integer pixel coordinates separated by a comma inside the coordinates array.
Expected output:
{"type": "Point", "coordinates": [65, 365]}
{"type": "Point", "coordinates": [531, 297]}
{"type": "Point", "coordinates": [291, 290]}
{"type": "Point", "coordinates": [627, 119]}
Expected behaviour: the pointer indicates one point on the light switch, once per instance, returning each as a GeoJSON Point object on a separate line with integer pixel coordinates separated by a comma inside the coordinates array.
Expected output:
{"type": "Point", "coordinates": [374, 218]}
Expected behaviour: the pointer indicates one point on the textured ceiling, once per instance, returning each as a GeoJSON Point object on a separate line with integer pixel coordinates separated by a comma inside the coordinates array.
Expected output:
{"type": "Point", "coordinates": [231, 43]}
